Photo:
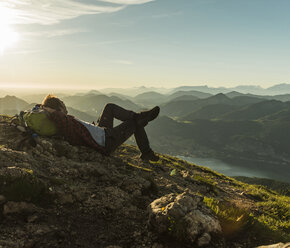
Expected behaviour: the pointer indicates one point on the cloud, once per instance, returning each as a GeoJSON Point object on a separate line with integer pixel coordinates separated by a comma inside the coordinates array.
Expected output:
{"type": "Point", "coordinates": [54, 11]}
{"type": "Point", "coordinates": [25, 52]}
{"type": "Point", "coordinates": [55, 33]}
{"type": "Point", "coordinates": [127, 2]}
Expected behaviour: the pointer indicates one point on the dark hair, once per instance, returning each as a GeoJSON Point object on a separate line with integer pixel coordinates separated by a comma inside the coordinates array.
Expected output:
{"type": "Point", "coordinates": [53, 102]}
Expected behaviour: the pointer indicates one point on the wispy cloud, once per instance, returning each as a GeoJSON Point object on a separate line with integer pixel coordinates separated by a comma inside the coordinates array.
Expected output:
{"type": "Point", "coordinates": [54, 11]}
{"type": "Point", "coordinates": [25, 52]}
{"type": "Point", "coordinates": [109, 42]}
{"type": "Point", "coordinates": [123, 62]}
{"type": "Point", "coordinates": [54, 33]}
{"type": "Point", "coordinates": [127, 2]}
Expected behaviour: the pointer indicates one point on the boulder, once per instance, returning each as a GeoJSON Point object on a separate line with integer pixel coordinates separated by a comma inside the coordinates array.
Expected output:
{"type": "Point", "coordinates": [184, 217]}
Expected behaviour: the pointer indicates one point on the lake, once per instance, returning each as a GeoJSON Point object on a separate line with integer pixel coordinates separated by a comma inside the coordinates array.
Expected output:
{"type": "Point", "coordinates": [245, 168]}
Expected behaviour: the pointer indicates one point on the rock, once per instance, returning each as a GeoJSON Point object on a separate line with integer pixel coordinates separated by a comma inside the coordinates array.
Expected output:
{"type": "Point", "coordinates": [136, 185]}
{"type": "Point", "coordinates": [6, 243]}
{"type": "Point", "coordinates": [42, 230]}
{"type": "Point", "coordinates": [183, 217]}
{"type": "Point", "coordinates": [19, 184]}
{"type": "Point", "coordinates": [2, 199]}
{"type": "Point", "coordinates": [66, 199]}
{"type": "Point", "coordinates": [80, 195]}
{"type": "Point", "coordinates": [114, 198]}
{"type": "Point", "coordinates": [156, 245]}
{"type": "Point", "coordinates": [204, 239]}
{"type": "Point", "coordinates": [32, 218]}
{"type": "Point", "coordinates": [279, 245]}
{"type": "Point", "coordinates": [18, 207]}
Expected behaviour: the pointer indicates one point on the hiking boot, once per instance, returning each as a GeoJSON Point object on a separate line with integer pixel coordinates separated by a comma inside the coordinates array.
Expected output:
{"type": "Point", "coordinates": [144, 117]}
{"type": "Point", "coordinates": [149, 156]}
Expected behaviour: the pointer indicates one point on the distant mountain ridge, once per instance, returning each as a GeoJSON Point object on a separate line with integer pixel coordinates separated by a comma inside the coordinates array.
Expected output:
{"type": "Point", "coordinates": [278, 89]}
{"type": "Point", "coordinates": [258, 110]}
{"type": "Point", "coordinates": [11, 105]}
{"type": "Point", "coordinates": [94, 104]}
{"type": "Point", "coordinates": [182, 107]}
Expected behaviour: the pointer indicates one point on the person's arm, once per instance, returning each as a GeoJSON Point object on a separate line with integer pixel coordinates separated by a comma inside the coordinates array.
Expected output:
{"type": "Point", "coordinates": [48, 109]}
{"type": "Point", "coordinates": [60, 119]}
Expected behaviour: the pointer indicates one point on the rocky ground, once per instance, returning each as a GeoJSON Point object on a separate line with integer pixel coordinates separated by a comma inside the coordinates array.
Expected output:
{"type": "Point", "coordinates": [58, 195]}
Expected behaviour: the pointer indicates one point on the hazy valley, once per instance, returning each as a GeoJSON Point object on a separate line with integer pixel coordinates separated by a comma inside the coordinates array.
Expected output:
{"type": "Point", "coordinates": [243, 129]}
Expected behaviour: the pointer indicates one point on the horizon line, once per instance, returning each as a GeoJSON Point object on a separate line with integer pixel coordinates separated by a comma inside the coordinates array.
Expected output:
{"type": "Point", "coordinates": [30, 87]}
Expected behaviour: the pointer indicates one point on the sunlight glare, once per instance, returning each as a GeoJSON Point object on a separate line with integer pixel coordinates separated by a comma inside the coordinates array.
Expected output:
{"type": "Point", "coordinates": [7, 35]}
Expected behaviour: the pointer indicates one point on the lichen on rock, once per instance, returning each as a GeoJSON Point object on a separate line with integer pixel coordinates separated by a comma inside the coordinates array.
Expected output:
{"type": "Point", "coordinates": [183, 217]}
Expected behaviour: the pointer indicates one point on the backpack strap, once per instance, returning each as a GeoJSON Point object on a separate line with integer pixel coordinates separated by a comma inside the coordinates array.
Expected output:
{"type": "Point", "coordinates": [19, 122]}
{"type": "Point", "coordinates": [43, 121]}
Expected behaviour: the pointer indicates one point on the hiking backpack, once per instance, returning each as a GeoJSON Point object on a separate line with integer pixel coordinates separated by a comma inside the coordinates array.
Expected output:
{"type": "Point", "coordinates": [37, 121]}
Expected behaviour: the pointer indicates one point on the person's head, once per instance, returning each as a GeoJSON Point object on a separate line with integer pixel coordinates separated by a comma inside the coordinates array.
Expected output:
{"type": "Point", "coordinates": [53, 102]}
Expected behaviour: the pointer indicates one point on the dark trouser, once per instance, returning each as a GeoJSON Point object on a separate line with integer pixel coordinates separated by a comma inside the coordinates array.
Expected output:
{"type": "Point", "coordinates": [115, 136]}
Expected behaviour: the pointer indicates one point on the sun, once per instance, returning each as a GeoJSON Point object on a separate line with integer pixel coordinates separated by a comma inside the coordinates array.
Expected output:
{"type": "Point", "coordinates": [8, 36]}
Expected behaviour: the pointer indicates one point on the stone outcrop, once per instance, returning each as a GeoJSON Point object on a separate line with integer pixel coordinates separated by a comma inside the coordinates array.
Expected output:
{"type": "Point", "coordinates": [183, 217]}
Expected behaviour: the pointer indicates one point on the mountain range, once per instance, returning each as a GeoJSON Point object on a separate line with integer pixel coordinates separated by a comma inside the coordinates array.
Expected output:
{"type": "Point", "coordinates": [278, 89]}
{"type": "Point", "coordinates": [194, 123]}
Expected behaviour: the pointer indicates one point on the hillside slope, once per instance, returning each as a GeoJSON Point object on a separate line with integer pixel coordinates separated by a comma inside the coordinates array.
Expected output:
{"type": "Point", "coordinates": [57, 195]}
{"type": "Point", "coordinates": [95, 103]}
{"type": "Point", "coordinates": [265, 141]}
{"type": "Point", "coordinates": [11, 105]}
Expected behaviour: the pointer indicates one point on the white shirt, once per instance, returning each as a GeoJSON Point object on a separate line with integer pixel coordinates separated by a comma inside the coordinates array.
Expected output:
{"type": "Point", "coordinates": [97, 133]}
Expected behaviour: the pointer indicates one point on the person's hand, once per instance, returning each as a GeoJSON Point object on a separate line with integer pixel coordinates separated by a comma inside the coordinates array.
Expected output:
{"type": "Point", "coordinates": [48, 109]}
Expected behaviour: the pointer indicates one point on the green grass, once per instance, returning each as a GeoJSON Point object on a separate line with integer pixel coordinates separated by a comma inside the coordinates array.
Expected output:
{"type": "Point", "coordinates": [274, 209]}
{"type": "Point", "coordinates": [276, 215]}
{"type": "Point", "coordinates": [205, 179]}
{"type": "Point", "coordinates": [271, 220]}
{"type": "Point", "coordinates": [225, 211]}
{"type": "Point", "coordinates": [139, 167]}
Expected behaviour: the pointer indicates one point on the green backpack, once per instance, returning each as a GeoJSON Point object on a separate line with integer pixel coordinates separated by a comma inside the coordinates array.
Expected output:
{"type": "Point", "coordinates": [37, 120]}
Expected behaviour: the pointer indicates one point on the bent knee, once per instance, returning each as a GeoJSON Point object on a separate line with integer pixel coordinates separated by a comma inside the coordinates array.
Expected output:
{"type": "Point", "coordinates": [109, 106]}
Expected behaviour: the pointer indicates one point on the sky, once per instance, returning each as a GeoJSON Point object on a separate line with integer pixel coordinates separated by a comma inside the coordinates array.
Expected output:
{"type": "Point", "coordinates": [129, 43]}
